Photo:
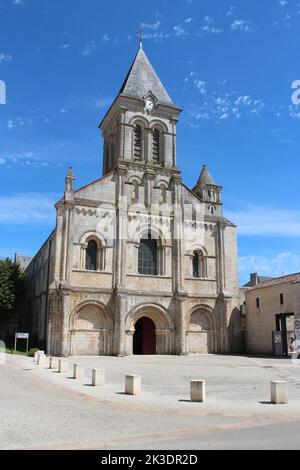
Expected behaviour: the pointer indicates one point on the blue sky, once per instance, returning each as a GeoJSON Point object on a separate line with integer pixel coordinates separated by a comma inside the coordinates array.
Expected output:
{"type": "Point", "coordinates": [229, 65]}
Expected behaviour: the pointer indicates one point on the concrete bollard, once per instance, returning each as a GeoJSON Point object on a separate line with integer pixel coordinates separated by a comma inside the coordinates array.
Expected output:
{"type": "Point", "coordinates": [279, 393]}
{"type": "Point", "coordinates": [198, 390]}
{"type": "Point", "coordinates": [133, 384]}
{"type": "Point", "coordinates": [63, 365]}
{"type": "Point", "coordinates": [78, 371]}
{"type": "Point", "coordinates": [37, 354]}
{"type": "Point", "coordinates": [98, 377]}
{"type": "Point", "coordinates": [53, 363]}
{"type": "Point", "coordinates": [41, 361]}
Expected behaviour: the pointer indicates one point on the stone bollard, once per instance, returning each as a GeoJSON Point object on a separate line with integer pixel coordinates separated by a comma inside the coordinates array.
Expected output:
{"type": "Point", "coordinates": [133, 384]}
{"type": "Point", "coordinates": [41, 361]}
{"type": "Point", "coordinates": [198, 390]}
{"type": "Point", "coordinates": [98, 377]}
{"type": "Point", "coordinates": [63, 365]}
{"type": "Point", "coordinates": [279, 393]}
{"type": "Point", "coordinates": [78, 371]}
{"type": "Point", "coordinates": [37, 354]}
{"type": "Point", "coordinates": [53, 363]}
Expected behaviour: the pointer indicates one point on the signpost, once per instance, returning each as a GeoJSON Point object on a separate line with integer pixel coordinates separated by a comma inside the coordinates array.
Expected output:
{"type": "Point", "coordinates": [22, 336]}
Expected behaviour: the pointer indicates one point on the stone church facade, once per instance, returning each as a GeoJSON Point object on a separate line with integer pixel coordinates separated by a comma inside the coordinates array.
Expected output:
{"type": "Point", "coordinates": [138, 263]}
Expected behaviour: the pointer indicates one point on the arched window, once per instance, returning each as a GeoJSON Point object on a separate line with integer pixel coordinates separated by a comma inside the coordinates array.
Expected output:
{"type": "Point", "coordinates": [199, 265]}
{"type": "Point", "coordinates": [91, 256]}
{"type": "Point", "coordinates": [156, 145]}
{"type": "Point", "coordinates": [137, 151]}
{"type": "Point", "coordinates": [147, 257]}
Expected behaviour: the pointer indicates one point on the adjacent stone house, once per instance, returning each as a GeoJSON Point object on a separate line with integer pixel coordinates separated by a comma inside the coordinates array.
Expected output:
{"type": "Point", "coordinates": [272, 305]}
{"type": "Point", "coordinates": [138, 262]}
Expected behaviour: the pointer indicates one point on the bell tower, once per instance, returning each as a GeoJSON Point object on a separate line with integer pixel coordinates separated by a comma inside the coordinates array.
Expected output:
{"type": "Point", "coordinates": [140, 126]}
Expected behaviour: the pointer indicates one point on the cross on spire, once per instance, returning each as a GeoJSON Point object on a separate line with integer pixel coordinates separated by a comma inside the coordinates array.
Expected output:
{"type": "Point", "coordinates": [141, 36]}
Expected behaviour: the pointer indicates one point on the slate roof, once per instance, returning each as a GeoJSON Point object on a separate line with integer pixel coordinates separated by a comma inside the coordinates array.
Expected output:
{"type": "Point", "coordinates": [23, 261]}
{"type": "Point", "coordinates": [142, 78]}
{"type": "Point", "coordinates": [205, 177]}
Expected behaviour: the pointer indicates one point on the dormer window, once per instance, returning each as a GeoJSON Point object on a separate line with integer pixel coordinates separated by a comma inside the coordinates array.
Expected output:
{"type": "Point", "coordinates": [137, 153]}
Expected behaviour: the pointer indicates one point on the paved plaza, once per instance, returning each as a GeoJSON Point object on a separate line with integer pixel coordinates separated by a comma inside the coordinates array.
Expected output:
{"type": "Point", "coordinates": [43, 409]}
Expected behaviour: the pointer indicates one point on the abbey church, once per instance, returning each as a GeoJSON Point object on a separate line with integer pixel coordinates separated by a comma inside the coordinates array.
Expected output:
{"type": "Point", "coordinates": [138, 262]}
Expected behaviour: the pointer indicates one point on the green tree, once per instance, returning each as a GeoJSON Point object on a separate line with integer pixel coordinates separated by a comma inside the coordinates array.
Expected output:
{"type": "Point", "coordinates": [12, 289]}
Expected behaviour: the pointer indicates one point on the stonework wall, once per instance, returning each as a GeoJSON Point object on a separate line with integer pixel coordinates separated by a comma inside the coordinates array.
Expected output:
{"type": "Point", "coordinates": [261, 321]}
{"type": "Point", "coordinates": [40, 274]}
{"type": "Point", "coordinates": [95, 310]}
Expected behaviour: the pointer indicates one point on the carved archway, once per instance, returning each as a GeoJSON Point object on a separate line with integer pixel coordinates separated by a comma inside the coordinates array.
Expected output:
{"type": "Point", "coordinates": [90, 329]}
{"type": "Point", "coordinates": [201, 334]}
{"type": "Point", "coordinates": [163, 323]}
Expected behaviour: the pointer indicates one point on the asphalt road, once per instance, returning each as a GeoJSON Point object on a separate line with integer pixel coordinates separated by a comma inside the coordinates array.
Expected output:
{"type": "Point", "coordinates": [41, 409]}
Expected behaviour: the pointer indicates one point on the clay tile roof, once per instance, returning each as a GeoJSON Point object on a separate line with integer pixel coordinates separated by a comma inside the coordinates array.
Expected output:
{"type": "Point", "coordinates": [290, 278]}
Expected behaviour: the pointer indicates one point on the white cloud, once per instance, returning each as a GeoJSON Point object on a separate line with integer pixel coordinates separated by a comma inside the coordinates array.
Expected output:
{"type": "Point", "coordinates": [219, 106]}
{"type": "Point", "coordinates": [201, 85]}
{"type": "Point", "coordinates": [266, 221]}
{"type": "Point", "coordinates": [230, 11]}
{"type": "Point", "coordinates": [188, 20]}
{"type": "Point", "coordinates": [179, 31]}
{"type": "Point", "coordinates": [26, 159]}
{"type": "Point", "coordinates": [208, 27]}
{"type": "Point", "coordinates": [242, 25]}
{"type": "Point", "coordinates": [28, 208]}
{"type": "Point", "coordinates": [294, 111]}
{"type": "Point", "coordinates": [18, 2]}
{"type": "Point", "coordinates": [64, 46]}
{"type": "Point", "coordinates": [282, 3]}
{"type": "Point", "coordinates": [279, 265]}
{"type": "Point", "coordinates": [105, 37]}
{"type": "Point", "coordinates": [19, 121]}
{"type": "Point", "coordinates": [88, 48]}
{"type": "Point", "coordinates": [4, 57]}
{"type": "Point", "coordinates": [152, 26]}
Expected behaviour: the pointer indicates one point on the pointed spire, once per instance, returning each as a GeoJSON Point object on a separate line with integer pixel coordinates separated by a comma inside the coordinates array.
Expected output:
{"type": "Point", "coordinates": [142, 78]}
{"type": "Point", "coordinates": [207, 189]}
{"type": "Point", "coordinates": [70, 178]}
{"type": "Point", "coordinates": [205, 177]}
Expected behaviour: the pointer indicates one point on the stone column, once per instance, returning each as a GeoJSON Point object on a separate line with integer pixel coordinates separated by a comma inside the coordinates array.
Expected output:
{"type": "Point", "coordinates": [220, 256]}
{"type": "Point", "coordinates": [58, 241]}
{"type": "Point", "coordinates": [178, 242]}
{"type": "Point", "coordinates": [121, 149]}
{"type": "Point", "coordinates": [120, 265]}
{"type": "Point", "coordinates": [65, 347]}
{"type": "Point", "coordinates": [181, 323]}
{"type": "Point", "coordinates": [121, 313]}
{"type": "Point", "coordinates": [149, 144]}
{"type": "Point", "coordinates": [150, 175]}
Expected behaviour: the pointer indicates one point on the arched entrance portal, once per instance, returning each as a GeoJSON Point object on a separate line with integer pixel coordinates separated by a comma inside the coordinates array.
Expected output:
{"type": "Point", "coordinates": [144, 337]}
